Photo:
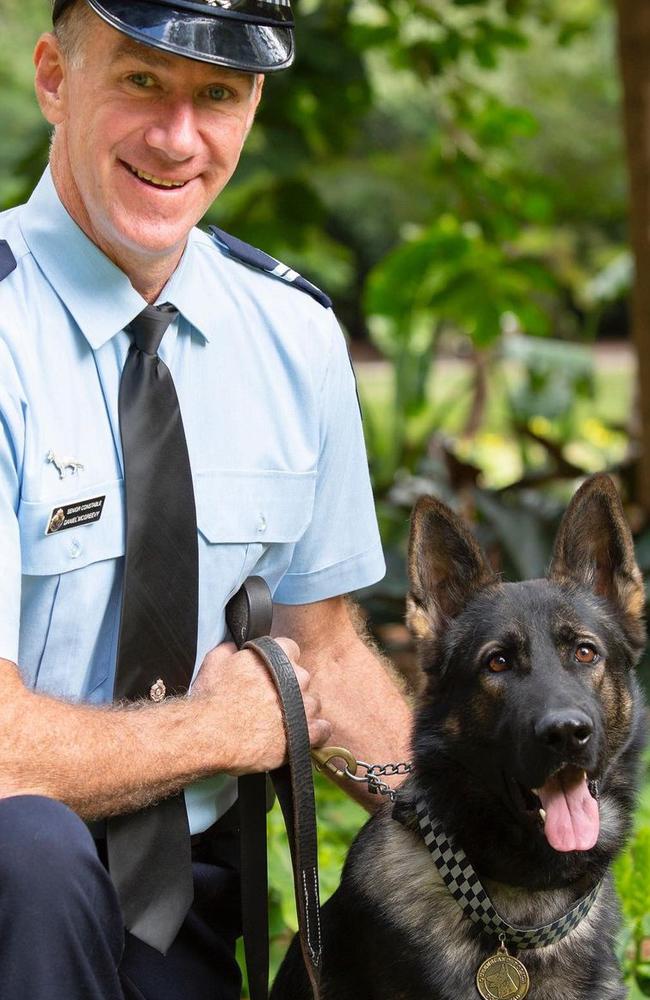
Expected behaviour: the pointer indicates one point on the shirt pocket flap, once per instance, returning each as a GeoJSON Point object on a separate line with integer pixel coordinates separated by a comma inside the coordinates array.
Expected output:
{"type": "Point", "coordinates": [254, 506]}
{"type": "Point", "coordinates": [74, 547]}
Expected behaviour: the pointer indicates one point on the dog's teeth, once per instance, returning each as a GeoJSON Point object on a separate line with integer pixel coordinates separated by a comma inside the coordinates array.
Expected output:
{"type": "Point", "coordinates": [542, 813]}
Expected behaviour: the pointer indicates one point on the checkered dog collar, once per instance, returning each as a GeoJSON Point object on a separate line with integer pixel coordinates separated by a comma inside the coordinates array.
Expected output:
{"type": "Point", "coordinates": [465, 886]}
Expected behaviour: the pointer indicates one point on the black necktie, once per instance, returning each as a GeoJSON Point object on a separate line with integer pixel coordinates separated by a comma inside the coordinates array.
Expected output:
{"type": "Point", "coordinates": [149, 854]}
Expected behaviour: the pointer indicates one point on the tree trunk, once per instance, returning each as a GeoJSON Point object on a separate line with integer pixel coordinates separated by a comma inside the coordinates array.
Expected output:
{"type": "Point", "coordinates": [634, 57]}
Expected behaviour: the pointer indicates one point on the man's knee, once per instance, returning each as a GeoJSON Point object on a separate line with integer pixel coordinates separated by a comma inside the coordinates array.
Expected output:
{"type": "Point", "coordinates": [60, 920]}
{"type": "Point", "coordinates": [46, 851]}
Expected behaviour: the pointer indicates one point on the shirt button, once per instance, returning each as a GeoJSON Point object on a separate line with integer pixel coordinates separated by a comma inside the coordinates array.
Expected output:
{"type": "Point", "coordinates": [261, 524]}
{"type": "Point", "coordinates": [75, 548]}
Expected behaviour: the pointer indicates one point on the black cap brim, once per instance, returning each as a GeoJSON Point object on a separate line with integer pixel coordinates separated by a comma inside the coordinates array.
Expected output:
{"type": "Point", "coordinates": [237, 44]}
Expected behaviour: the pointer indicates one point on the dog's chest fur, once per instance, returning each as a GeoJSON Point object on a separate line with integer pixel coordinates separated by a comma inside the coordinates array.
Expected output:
{"type": "Point", "coordinates": [394, 873]}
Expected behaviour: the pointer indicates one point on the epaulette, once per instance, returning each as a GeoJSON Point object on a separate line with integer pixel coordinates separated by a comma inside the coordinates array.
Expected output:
{"type": "Point", "coordinates": [7, 260]}
{"type": "Point", "coordinates": [264, 262]}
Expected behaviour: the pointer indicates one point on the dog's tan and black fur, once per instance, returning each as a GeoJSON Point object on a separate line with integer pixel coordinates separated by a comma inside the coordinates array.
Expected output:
{"type": "Point", "coordinates": [530, 686]}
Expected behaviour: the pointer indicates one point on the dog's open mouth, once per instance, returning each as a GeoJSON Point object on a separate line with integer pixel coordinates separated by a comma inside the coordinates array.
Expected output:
{"type": "Point", "coordinates": [567, 807]}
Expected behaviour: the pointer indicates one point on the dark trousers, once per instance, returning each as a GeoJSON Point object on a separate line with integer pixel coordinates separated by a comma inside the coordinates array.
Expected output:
{"type": "Point", "coordinates": [61, 934]}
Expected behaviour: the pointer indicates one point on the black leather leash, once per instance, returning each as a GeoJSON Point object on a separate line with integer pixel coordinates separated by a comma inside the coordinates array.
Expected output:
{"type": "Point", "coordinates": [249, 616]}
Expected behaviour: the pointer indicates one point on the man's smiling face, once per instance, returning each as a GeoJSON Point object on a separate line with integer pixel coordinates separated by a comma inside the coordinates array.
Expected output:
{"type": "Point", "coordinates": [145, 140]}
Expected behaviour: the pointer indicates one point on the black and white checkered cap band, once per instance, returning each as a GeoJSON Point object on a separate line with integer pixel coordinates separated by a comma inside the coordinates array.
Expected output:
{"type": "Point", "coordinates": [464, 885]}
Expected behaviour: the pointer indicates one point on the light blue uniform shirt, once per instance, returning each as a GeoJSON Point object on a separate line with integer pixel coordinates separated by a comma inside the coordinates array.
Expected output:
{"type": "Point", "coordinates": [273, 429]}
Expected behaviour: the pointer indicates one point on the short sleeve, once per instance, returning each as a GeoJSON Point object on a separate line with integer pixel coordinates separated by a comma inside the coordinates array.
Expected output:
{"type": "Point", "coordinates": [11, 448]}
{"type": "Point", "coordinates": [341, 550]}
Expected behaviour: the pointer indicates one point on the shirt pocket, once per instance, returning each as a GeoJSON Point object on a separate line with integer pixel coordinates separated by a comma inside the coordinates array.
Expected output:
{"type": "Point", "coordinates": [71, 594]}
{"type": "Point", "coordinates": [249, 521]}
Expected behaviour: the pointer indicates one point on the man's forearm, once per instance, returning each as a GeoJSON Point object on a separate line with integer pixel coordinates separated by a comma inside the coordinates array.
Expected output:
{"type": "Point", "coordinates": [107, 760]}
{"type": "Point", "coordinates": [104, 760]}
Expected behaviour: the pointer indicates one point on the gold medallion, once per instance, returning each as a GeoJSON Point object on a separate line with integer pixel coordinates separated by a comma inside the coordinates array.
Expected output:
{"type": "Point", "coordinates": [502, 977]}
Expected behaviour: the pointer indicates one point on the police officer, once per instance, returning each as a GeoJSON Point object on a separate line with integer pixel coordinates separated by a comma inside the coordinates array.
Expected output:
{"type": "Point", "coordinates": [150, 104]}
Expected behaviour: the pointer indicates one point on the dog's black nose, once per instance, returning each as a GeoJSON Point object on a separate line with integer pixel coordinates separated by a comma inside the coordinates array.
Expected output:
{"type": "Point", "coordinates": [564, 731]}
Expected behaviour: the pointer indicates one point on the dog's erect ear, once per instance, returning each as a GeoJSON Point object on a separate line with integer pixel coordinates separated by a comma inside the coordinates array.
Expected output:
{"type": "Point", "coordinates": [446, 566]}
{"type": "Point", "coordinates": [594, 547]}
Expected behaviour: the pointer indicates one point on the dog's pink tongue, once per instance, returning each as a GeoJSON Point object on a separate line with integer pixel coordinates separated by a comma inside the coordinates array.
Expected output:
{"type": "Point", "coordinates": [572, 818]}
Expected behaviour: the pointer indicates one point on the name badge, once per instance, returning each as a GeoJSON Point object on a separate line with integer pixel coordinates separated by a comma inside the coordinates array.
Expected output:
{"type": "Point", "coordinates": [74, 515]}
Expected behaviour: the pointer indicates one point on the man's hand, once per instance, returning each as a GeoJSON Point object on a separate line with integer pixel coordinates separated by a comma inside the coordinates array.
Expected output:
{"type": "Point", "coordinates": [244, 686]}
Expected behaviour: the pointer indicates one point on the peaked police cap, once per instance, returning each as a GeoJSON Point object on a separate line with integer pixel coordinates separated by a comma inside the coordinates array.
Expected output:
{"type": "Point", "coordinates": [254, 36]}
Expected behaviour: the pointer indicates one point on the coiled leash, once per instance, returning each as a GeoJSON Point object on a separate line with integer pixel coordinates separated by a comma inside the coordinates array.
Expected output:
{"type": "Point", "coordinates": [249, 616]}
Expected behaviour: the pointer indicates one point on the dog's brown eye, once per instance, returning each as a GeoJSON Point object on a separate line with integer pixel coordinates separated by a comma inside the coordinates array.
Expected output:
{"type": "Point", "coordinates": [498, 663]}
{"type": "Point", "coordinates": [586, 654]}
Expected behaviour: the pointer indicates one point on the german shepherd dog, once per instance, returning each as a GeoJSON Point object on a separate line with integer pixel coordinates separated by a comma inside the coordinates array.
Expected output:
{"type": "Point", "coordinates": [526, 747]}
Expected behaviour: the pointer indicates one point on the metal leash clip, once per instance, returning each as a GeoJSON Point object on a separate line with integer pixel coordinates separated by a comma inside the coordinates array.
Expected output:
{"type": "Point", "coordinates": [324, 757]}
{"type": "Point", "coordinates": [323, 760]}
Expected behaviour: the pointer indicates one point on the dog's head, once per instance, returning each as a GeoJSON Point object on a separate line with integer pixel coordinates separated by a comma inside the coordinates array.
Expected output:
{"type": "Point", "coordinates": [529, 689]}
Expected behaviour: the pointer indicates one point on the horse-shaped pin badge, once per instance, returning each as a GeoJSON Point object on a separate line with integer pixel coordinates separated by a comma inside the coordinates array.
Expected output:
{"type": "Point", "coordinates": [63, 465]}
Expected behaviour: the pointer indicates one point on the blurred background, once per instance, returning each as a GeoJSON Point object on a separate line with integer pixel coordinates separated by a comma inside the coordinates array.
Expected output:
{"type": "Point", "coordinates": [470, 181]}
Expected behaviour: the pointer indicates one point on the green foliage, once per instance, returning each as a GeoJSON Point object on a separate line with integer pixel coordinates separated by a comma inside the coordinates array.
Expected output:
{"type": "Point", "coordinates": [451, 273]}
{"type": "Point", "coordinates": [396, 114]}
{"type": "Point", "coordinates": [545, 410]}
{"type": "Point", "coordinates": [633, 883]}
{"type": "Point", "coordinates": [448, 277]}
{"type": "Point", "coordinates": [24, 136]}
{"type": "Point", "coordinates": [632, 873]}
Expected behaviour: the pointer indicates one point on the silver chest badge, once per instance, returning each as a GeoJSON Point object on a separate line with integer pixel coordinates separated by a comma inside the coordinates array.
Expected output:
{"type": "Point", "coordinates": [63, 465]}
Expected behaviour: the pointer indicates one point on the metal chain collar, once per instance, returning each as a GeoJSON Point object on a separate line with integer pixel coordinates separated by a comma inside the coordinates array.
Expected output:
{"type": "Point", "coordinates": [464, 885]}
{"type": "Point", "coordinates": [325, 757]}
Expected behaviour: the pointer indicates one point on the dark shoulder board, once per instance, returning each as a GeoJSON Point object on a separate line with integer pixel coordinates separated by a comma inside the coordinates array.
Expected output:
{"type": "Point", "coordinates": [264, 262]}
{"type": "Point", "coordinates": [7, 260]}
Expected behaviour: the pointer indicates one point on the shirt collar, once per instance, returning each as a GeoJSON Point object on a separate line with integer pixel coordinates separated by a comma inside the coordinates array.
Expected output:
{"type": "Point", "coordinates": [99, 296]}
{"type": "Point", "coordinates": [182, 291]}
